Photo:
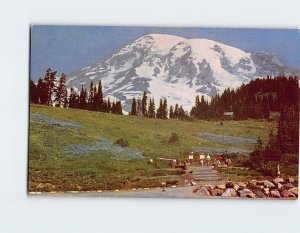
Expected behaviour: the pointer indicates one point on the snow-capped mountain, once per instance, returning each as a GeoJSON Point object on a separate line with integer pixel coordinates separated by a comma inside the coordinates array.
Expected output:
{"type": "Point", "coordinates": [175, 68]}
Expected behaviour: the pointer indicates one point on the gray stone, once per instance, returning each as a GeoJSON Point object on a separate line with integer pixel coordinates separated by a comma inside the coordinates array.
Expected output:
{"type": "Point", "coordinates": [259, 194]}
{"type": "Point", "coordinates": [230, 192]}
{"type": "Point", "coordinates": [210, 187]}
{"type": "Point", "coordinates": [236, 187]}
{"type": "Point", "coordinates": [287, 193]}
{"type": "Point", "coordinates": [266, 191]}
{"type": "Point", "coordinates": [221, 186]}
{"type": "Point", "coordinates": [202, 191]}
{"type": "Point", "coordinates": [278, 180]}
{"type": "Point", "coordinates": [242, 184]}
{"type": "Point", "coordinates": [279, 185]}
{"type": "Point", "coordinates": [216, 192]}
{"type": "Point", "coordinates": [246, 193]}
{"type": "Point", "coordinates": [254, 182]}
{"type": "Point", "coordinates": [289, 180]}
{"type": "Point", "coordinates": [275, 194]}
{"type": "Point", "coordinates": [268, 184]}
{"type": "Point", "coordinates": [229, 184]}
{"type": "Point", "coordinates": [288, 186]}
{"type": "Point", "coordinates": [294, 191]}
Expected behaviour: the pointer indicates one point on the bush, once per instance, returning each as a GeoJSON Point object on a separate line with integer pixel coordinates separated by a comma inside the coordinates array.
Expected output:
{"type": "Point", "coordinates": [122, 142]}
{"type": "Point", "coordinates": [174, 138]}
{"type": "Point", "coordinates": [288, 159]}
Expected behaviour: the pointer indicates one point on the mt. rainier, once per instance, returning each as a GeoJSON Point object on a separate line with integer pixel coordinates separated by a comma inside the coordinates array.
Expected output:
{"type": "Point", "coordinates": [175, 68]}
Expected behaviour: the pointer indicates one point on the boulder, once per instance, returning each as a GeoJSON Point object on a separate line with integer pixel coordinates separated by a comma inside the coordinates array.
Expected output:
{"type": "Point", "coordinates": [259, 194]}
{"type": "Point", "coordinates": [246, 193]}
{"type": "Point", "coordinates": [286, 193]}
{"type": "Point", "coordinates": [236, 187]}
{"type": "Point", "coordinates": [193, 183]}
{"type": "Point", "coordinates": [294, 191]}
{"type": "Point", "coordinates": [279, 185]}
{"type": "Point", "coordinates": [229, 184]}
{"type": "Point", "coordinates": [202, 191]}
{"type": "Point", "coordinates": [268, 184]}
{"type": "Point", "coordinates": [221, 186]}
{"type": "Point", "coordinates": [288, 186]}
{"type": "Point", "coordinates": [275, 193]}
{"type": "Point", "coordinates": [260, 182]}
{"type": "Point", "coordinates": [242, 184]}
{"type": "Point", "coordinates": [209, 187]}
{"type": "Point", "coordinates": [278, 180]}
{"type": "Point", "coordinates": [289, 180]}
{"type": "Point", "coordinates": [254, 182]}
{"type": "Point", "coordinates": [216, 192]}
{"type": "Point", "coordinates": [266, 191]}
{"type": "Point", "coordinates": [252, 186]}
{"type": "Point", "coordinates": [230, 192]}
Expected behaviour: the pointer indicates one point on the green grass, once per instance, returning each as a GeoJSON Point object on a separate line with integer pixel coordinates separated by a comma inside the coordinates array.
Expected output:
{"type": "Point", "coordinates": [48, 163]}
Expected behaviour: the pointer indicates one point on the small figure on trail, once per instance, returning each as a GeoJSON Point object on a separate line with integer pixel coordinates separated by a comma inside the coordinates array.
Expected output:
{"type": "Point", "coordinates": [207, 160]}
{"type": "Point", "coordinates": [278, 171]}
{"type": "Point", "coordinates": [201, 158]}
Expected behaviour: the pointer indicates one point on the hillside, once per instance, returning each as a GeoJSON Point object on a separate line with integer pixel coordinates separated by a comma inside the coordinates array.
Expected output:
{"type": "Point", "coordinates": [68, 147]}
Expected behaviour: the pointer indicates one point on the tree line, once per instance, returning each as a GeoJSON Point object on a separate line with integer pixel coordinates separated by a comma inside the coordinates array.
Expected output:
{"type": "Point", "coordinates": [254, 100]}
{"type": "Point", "coordinates": [50, 91]}
{"type": "Point", "coordinates": [146, 107]}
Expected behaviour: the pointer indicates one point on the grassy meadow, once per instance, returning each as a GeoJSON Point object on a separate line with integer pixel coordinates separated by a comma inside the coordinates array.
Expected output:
{"type": "Point", "coordinates": [50, 168]}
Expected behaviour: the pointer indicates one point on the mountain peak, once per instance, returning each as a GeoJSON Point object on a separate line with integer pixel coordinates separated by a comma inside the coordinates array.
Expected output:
{"type": "Point", "coordinates": [175, 68]}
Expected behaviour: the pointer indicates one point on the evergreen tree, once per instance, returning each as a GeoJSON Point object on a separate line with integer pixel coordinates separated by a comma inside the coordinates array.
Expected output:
{"type": "Point", "coordinates": [176, 113]}
{"type": "Point", "coordinates": [171, 112]}
{"type": "Point", "coordinates": [151, 108]}
{"type": "Point", "coordinates": [144, 104]}
{"type": "Point", "coordinates": [49, 80]}
{"type": "Point", "coordinates": [73, 99]}
{"type": "Point", "coordinates": [139, 107]}
{"type": "Point", "coordinates": [42, 92]}
{"type": "Point", "coordinates": [108, 105]}
{"type": "Point", "coordinates": [33, 94]}
{"type": "Point", "coordinates": [271, 149]}
{"type": "Point", "coordinates": [61, 95]}
{"type": "Point", "coordinates": [91, 97]}
{"type": "Point", "coordinates": [159, 111]}
{"type": "Point", "coordinates": [133, 107]}
{"type": "Point", "coordinates": [82, 99]}
{"type": "Point", "coordinates": [257, 156]}
{"type": "Point", "coordinates": [119, 108]}
{"type": "Point", "coordinates": [165, 109]}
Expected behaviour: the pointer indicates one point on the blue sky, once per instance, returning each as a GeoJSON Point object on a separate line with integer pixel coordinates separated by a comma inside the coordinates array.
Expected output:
{"type": "Point", "coordinates": [69, 48]}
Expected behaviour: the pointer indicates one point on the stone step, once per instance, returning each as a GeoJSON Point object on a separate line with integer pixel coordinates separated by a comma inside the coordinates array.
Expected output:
{"type": "Point", "coordinates": [207, 178]}
{"type": "Point", "coordinates": [204, 172]}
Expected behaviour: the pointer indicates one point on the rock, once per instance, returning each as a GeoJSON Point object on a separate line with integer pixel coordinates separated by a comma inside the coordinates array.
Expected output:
{"type": "Point", "coordinates": [242, 184]}
{"type": "Point", "coordinates": [289, 180]}
{"type": "Point", "coordinates": [193, 183]}
{"type": "Point", "coordinates": [279, 185]}
{"type": "Point", "coordinates": [246, 193]}
{"type": "Point", "coordinates": [261, 187]}
{"type": "Point", "coordinates": [229, 184]}
{"type": "Point", "coordinates": [216, 192]}
{"type": "Point", "coordinates": [252, 186]}
{"type": "Point", "coordinates": [236, 187]}
{"type": "Point", "coordinates": [230, 192]}
{"type": "Point", "coordinates": [202, 192]}
{"type": "Point", "coordinates": [278, 180]}
{"type": "Point", "coordinates": [254, 182]}
{"type": "Point", "coordinates": [286, 193]}
{"type": "Point", "coordinates": [259, 194]}
{"type": "Point", "coordinates": [275, 193]}
{"type": "Point", "coordinates": [268, 184]}
{"type": "Point", "coordinates": [221, 186]}
{"type": "Point", "coordinates": [260, 182]}
{"type": "Point", "coordinates": [266, 191]}
{"type": "Point", "coordinates": [288, 186]}
{"type": "Point", "coordinates": [209, 187]}
{"type": "Point", "coordinates": [294, 191]}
